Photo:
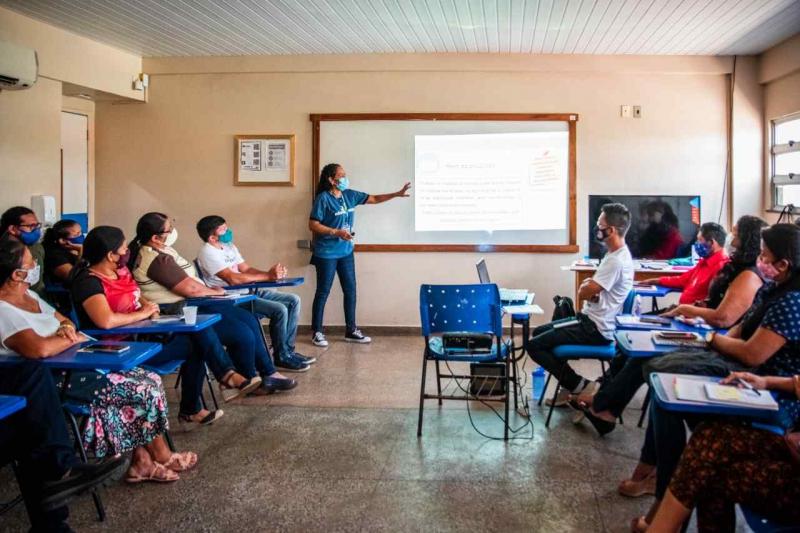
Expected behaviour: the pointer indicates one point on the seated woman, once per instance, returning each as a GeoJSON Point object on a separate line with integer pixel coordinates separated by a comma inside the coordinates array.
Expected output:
{"type": "Point", "coordinates": [106, 296]}
{"type": "Point", "coordinates": [62, 249]}
{"type": "Point", "coordinates": [727, 462]}
{"type": "Point", "coordinates": [767, 341]}
{"type": "Point", "coordinates": [166, 278]}
{"type": "Point", "coordinates": [128, 411]}
{"type": "Point", "coordinates": [733, 289]}
{"type": "Point", "coordinates": [731, 293]}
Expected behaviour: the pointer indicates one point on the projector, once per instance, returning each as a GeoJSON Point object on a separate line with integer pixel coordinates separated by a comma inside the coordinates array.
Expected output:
{"type": "Point", "coordinates": [467, 342]}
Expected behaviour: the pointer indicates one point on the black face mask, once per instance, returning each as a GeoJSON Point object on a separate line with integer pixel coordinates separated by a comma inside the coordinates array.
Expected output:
{"type": "Point", "coordinates": [601, 234]}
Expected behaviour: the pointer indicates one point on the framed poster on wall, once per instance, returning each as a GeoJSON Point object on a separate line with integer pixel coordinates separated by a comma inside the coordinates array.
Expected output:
{"type": "Point", "coordinates": [263, 160]}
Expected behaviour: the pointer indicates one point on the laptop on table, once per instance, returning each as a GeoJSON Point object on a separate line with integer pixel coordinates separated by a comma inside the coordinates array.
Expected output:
{"type": "Point", "coordinates": [507, 296]}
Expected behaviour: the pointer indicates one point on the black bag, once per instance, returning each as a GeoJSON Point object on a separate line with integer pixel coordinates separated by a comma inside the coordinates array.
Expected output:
{"type": "Point", "coordinates": [564, 307]}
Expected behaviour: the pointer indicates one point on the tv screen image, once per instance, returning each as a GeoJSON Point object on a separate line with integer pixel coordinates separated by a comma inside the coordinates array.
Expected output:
{"type": "Point", "coordinates": [662, 227]}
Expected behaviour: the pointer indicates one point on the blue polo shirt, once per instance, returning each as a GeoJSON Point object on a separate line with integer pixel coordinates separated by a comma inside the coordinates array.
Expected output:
{"type": "Point", "coordinates": [336, 213]}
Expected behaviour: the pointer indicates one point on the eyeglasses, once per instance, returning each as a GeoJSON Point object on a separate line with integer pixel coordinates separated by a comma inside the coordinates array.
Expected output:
{"type": "Point", "coordinates": [33, 227]}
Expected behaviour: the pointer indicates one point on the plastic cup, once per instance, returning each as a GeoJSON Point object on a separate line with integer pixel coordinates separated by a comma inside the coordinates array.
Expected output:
{"type": "Point", "coordinates": [190, 315]}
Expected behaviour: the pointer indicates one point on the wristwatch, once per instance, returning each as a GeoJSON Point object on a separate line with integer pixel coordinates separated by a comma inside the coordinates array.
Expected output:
{"type": "Point", "coordinates": [710, 336]}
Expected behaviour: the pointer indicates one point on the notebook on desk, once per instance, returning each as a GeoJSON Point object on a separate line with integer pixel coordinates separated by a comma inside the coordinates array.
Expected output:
{"type": "Point", "coordinates": [507, 296]}
{"type": "Point", "coordinates": [708, 390]}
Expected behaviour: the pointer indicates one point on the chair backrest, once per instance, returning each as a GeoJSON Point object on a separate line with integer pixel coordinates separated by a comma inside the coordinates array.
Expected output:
{"type": "Point", "coordinates": [627, 305]}
{"type": "Point", "coordinates": [470, 308]}
{"type": "Point", "coordinates": [199, 271]}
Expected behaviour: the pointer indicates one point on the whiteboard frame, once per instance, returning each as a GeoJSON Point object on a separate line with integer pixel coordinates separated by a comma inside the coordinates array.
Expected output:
{"type": "Point", "coordinates": [570, 118]}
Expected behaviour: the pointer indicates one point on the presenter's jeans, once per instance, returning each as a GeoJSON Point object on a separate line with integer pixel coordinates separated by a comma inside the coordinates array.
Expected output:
{"type": "Point", "coordinates": [546, 337]}
{"type": "Point", "coordinates": [241, 333]}
{"type": "Point", "coordinates": [283, 311]}
{"type": "Point", "coordinates": [36, 437]}
{"type": "Point", "coordinates": [326, 270]}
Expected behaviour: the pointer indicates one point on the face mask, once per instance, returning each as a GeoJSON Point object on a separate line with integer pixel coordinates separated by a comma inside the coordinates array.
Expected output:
{"type": "Point", "coordinates": [343, 184]}
{"type": "Point", "coordinates": [29, 238]}
{"type": "Point", "coordinates": [703, 249]}
{"type": "Point", "coordinates": [172, 237]}
{"type": "Point", "coordinates": [77, 240]}
{"type": "Point", "coordinates": [32, 276]}
{"type": "Point", "coordinates": [122, 262]}
{"type": "Point", "coordinates": [227, 237]}
{"type": "Point", "coordinates": [767, 270]}
{"type": "Point", "coordinates": [601, 234]}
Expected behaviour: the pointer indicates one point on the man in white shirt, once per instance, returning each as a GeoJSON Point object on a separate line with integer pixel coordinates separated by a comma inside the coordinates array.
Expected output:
{"type": "Point", "coordinates": [603, 295]}
{"type": "Point", "coordinates": [222, 265]}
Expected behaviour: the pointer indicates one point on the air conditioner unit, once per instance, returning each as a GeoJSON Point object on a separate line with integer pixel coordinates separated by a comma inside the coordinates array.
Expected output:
{"type": "Point", "coordinates": [19, 66]}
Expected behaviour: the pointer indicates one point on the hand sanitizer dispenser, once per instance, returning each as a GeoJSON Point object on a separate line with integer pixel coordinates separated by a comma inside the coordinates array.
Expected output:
{"type": "Point", "coordinates": [45, 208]}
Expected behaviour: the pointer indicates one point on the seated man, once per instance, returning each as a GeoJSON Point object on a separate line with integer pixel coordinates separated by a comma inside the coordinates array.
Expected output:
{"type": "Point", "coordinates": [710, 247]}
{"type": "Point", "coordinates": [603, 295]}
{"type": "Point", "coordinates": [221, 265]}
{"type": "Point", "coordinates": [37, 438]}
{"type": "Point", "coordinates": [21, 224]}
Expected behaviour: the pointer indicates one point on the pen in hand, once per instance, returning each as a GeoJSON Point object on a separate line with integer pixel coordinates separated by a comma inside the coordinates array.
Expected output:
{"type": "Point", "coordinates": [746, 385]}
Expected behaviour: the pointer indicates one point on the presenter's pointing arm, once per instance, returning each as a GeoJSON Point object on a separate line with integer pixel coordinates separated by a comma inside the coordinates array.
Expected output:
{"type": "Point", "coordinates": [380, 198]}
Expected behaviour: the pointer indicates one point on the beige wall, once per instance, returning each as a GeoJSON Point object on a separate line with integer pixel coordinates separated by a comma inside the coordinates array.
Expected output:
{"type": "Point", "coordinates": [780, 73]}
{"type": "Point", "coordinates": [175, 153]}
{"type": "Point", "coordinates": [67, 57]}
{"type": "Point", "coordinates": [30, 137]}
{"type": "Point", "coordinates": [30, 143]}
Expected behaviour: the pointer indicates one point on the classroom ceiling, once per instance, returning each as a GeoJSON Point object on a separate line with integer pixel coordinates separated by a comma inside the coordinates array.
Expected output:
{"type": "Point", "coordinates": [252, 27]}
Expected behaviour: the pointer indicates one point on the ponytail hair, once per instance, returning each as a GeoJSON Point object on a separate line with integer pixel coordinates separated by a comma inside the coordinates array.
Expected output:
{"type": "Point", "coordinates": [60, 230]}
{"type": "Point", "coordinates": [149, 224]}
{"type": "Point", "coordinates": [12, 254]}
{"type": "Point", "coordinates": [98, 243]}
{"type": "Point", "coordinates": [328, 171]}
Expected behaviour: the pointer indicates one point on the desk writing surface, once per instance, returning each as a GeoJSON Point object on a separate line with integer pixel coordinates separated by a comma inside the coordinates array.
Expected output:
{"type": "Point", "coordinates": [72, 359]}
{"type": "Point", "coordinates": [228, 299]}
{"type": "Point", "coordinates": [640, 344]}
{"type": "Point", "coordinates": [662, 385]}
{"type": "Point", "coordinates": [285, 282]}
{"type": "Point", "coordinates": [10, 405]}
{"type": "Point", "coordinates": [154, 326]}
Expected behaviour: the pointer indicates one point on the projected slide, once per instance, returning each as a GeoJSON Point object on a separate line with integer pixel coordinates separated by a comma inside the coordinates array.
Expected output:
{"type": "Point", "coordinates": [491, 182]}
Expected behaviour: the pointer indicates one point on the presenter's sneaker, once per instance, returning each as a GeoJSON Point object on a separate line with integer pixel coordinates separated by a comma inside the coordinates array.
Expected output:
{"type": "Point", "coordinates": [319, 340]}
{"type": "Point", "coordinates": [357, 336]}
{"type": "Point", "coordinates": [305, 359]}
{"type": "Point", "coordinates": [291, 364]}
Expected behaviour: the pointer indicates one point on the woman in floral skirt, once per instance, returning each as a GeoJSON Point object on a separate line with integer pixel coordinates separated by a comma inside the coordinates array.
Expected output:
{"type": "Point", "coordinates": [127, 409]}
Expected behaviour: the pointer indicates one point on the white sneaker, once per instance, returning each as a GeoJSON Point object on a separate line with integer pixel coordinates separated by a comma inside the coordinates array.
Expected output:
{"type": "Point", "coordinates": [357, 336]}
{"type": "Point", "coordinates": [319, 340]}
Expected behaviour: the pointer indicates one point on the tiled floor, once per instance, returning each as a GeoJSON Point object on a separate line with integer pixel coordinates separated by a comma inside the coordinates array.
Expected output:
{"type": "Point", "coordinates": [340, 453]}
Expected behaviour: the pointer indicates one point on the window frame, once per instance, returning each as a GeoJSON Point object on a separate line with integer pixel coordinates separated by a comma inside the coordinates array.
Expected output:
{"type": "Point", "coordinates": [780, 180]}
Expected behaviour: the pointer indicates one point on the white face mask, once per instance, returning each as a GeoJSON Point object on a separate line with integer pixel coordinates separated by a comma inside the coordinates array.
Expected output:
{"type": "Point", "coordinates": [172, 237]}
{"type": "Point", "coordinates": [32, 276]}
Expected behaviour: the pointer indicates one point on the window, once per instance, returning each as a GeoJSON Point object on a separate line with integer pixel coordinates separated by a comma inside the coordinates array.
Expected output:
{"type": "Point", "coordinates": [785, 161]}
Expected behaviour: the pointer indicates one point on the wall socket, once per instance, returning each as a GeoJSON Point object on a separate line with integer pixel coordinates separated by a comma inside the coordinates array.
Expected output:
{"type": "Point", "coordinates": [630, 111]}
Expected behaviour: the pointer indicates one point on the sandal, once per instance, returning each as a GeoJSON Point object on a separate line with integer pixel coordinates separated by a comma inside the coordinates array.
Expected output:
{"type": "Point", "coordinates": [159, 474]}
{"type": "Point", "coordinates": [230, 393]}
{"type": "Point", "coordinates": [188, 423]}
{"type": "Point", "coordinates": [181, 462]}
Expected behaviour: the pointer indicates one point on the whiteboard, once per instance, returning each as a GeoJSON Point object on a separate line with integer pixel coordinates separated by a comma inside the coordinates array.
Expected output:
{"type": "Point", "coordinates": [379, 157]}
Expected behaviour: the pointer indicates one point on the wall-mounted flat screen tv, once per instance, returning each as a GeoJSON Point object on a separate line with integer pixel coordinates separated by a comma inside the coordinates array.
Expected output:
{"type": "Point", "coordinates": [662, 227]}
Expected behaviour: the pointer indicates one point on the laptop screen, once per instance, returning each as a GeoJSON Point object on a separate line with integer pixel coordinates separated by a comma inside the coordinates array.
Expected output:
{"type": "Point", "coordinates": [483, 272]}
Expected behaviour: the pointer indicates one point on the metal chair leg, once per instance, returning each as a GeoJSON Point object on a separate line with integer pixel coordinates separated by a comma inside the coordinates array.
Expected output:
{"type": "Point", "coordinates": [168, 438]}
{"type": "Point", "coordinates": [514, 376]}
{"type": "Point", "coordinates": [645, 407]}
{"type": "Point", "coordinates": [422, 395]}
{"type": "Point", "coordinates": [98, 503]}
{"type": "Point", "coordinates": [438, 382]}
{"type": "Point", "coordinates": [552, 404]}
{"type": "Point", "coordinates": [211, 390]}
{"type": "Point", "coordinates": [507, 421]}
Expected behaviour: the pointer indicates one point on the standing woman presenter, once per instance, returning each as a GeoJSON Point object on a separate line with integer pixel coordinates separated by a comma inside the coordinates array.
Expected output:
{"type": "Point", "coordinates": [331, 221]}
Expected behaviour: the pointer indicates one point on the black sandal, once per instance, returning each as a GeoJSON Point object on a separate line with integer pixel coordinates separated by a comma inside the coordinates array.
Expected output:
{"type": "Point", "coordinates": [603, 427]}
{"type": "Point", "coordinates": [188, 423]}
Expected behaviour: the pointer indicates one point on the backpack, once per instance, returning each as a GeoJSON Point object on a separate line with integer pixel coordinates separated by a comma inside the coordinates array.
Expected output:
{"type": "Point", "coordinates": [564, 307]}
